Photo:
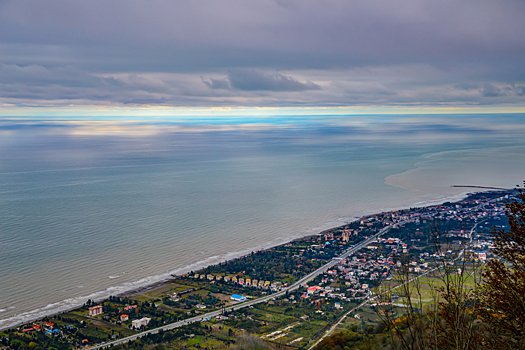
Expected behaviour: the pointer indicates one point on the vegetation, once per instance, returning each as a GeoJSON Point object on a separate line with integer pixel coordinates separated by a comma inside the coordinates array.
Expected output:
{"type": "Point", "coordinates": [441, 298]}
{"type": "Point", "coordinates": [502, 298]}
{"type": "Point", "coordinates": [471, 306]}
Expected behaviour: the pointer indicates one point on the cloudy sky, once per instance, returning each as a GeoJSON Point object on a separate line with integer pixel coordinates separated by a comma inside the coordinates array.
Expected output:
{"type": "Point", "coordinates": [60, 54]}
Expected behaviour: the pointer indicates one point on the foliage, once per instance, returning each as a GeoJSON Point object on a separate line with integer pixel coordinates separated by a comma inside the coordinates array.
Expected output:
{"type": "Point", "coordinates": [502, 300]}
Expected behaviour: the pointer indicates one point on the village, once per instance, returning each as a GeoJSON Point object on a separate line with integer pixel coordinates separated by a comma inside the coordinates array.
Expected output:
{"type": "Point", "coordinates": [300, 315]}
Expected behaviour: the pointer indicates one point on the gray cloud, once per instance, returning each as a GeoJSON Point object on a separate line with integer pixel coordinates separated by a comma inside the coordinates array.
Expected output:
{"type": "Point", "coordinates": [490, 90]}
{"type": "Point", "coordinates": [217, 83]}
{"type": "Point", "coordinates": [262, 53]}
{"type": "Point", "coordinates": [252, 80]}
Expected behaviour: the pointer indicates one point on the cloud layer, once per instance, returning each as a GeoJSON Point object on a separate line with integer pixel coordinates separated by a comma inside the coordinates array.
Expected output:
{"type": "Point", "coordinates": [270, 53]}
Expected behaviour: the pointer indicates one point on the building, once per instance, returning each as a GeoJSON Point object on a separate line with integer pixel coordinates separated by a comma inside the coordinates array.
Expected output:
{"type": "Point", "coordinates": [481, 255]}
{"type": "Point", "coordinates": [314, 289]}
{"type": "Point", "coordinates": [237, 297]}
{"type": "Point", "coordinates": [140, 322]}
{"type": "Point", "coordinates": [124, 318]}
{"type": "Point", "coordinates": [95, 310]}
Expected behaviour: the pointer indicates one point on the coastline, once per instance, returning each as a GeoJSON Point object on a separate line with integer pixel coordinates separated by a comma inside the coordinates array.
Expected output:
{"type": "Point", "coordinates": [155, 281]}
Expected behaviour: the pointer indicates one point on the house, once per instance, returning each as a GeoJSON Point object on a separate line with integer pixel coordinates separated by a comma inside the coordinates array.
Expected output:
{"type": "Point", "coordinates": [95, 310]}
{"type": "Point", "coordinates": [237, 297]}
{"type": "Point", "coordinates": [124, 317]}
{"type": "Point", "coordinates": [140, 322]}
{"type": "Point", "coordinates": [481, 255]}
{"type": "Point", "coordinates": [312, 290]}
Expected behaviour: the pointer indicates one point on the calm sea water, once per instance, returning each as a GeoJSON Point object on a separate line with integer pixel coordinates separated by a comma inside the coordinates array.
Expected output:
{"type": "Point", "coordinates": [88, 210]}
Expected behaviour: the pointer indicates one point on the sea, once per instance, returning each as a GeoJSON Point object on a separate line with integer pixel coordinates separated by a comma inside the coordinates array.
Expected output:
{"type": "Point", "coordinates": [93, 207]}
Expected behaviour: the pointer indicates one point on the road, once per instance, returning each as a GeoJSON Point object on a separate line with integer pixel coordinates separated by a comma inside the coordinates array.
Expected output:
{"type": "Point", "coordinates": [300, 283]}
{"type": "Point", "coordinates": [371, 298]}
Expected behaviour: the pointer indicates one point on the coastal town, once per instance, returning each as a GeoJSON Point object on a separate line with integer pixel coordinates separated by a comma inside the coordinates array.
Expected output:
{"type": "Point", "coordinates": [290, 295]}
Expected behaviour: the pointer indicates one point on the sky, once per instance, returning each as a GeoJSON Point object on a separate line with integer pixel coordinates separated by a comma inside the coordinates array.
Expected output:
{"type": "Point", "coordinates": [127, 56]}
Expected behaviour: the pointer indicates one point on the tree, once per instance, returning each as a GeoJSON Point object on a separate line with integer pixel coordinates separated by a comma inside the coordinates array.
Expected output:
{"type": "Point", "coordinates": [449, 322]}
{"type": "Point", "coordinates": [502, 298]}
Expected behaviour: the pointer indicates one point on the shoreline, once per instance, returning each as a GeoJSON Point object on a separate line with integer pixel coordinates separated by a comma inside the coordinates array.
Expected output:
{"type": "Point", "coordinates": [166, 277]}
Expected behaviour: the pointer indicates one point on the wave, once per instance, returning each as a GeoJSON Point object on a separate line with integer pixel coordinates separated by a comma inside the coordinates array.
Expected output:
{"type": "Point", "coordinates": [75, 302]}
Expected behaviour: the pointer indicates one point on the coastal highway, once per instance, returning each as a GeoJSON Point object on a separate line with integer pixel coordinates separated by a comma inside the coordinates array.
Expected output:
{"type": "Point", "coordinates": [296, 285]}
{"type": "Point", "coordinates": [282, 292]}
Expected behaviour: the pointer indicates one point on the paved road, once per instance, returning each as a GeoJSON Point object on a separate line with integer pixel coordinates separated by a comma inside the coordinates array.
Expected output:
{"type": "Point", "coordinates": [371, 298]}
{"type": "Point", "coordinates": [238, 306]}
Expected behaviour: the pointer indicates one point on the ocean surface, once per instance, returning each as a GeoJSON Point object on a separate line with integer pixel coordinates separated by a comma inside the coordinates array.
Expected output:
{"type": "Point", "coordinates": [91, 209]}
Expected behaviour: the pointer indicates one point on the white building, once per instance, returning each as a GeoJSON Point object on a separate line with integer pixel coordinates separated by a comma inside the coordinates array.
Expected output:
{"type": "Point", "coordinates": [140, 322]}
{"type": "Point", "coordinates": [95, 310]}
{"type": "Point", "coordinates": [238, 297]}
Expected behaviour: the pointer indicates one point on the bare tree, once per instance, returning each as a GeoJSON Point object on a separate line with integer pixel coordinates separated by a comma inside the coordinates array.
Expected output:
{"type": "Point", "coordinates": [502, 297]}
{"type": "Point", "coordinates": [448, 321]}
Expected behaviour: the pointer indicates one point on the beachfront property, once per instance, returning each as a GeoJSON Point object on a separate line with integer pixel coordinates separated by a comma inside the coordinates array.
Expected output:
{"type": "Point", "coordinates": [140, 322]}
{"type": "Point", "coordinates": [237, 297]}
{"type": "Point", "coordinates": [95, 310]}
